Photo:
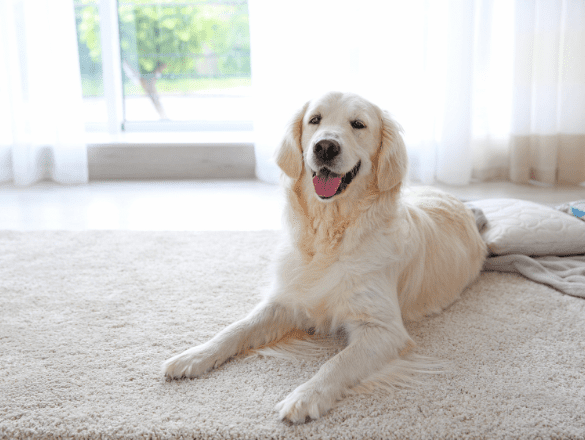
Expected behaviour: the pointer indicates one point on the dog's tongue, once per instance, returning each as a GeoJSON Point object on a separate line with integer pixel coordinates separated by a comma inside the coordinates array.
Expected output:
{"type": "Point", "coordinates": [326, 186]}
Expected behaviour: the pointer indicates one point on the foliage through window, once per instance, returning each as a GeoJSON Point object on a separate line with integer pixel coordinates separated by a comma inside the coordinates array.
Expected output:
{"type": "Point", "coordinates": [173, 52]}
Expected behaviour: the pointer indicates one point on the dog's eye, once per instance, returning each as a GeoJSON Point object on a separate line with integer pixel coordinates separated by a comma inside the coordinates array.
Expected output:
{"type": "Point", "coordinates": [315, 119]}
{"type": "Point", "coordinates": [358, 124]}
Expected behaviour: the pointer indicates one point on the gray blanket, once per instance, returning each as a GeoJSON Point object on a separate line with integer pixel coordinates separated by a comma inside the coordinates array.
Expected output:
{"type": "Point", "coordinates": [566, 274]}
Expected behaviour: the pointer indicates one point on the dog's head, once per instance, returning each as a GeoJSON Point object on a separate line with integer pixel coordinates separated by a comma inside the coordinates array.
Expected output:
{"type": "Point", "coordinates": [342, 141]}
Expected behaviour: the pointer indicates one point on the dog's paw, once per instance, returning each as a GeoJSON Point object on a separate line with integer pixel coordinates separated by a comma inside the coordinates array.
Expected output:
{"type": "Point", "coordinates": [305, 401]}
{"type": "Point", "coordinates": [191, 363]}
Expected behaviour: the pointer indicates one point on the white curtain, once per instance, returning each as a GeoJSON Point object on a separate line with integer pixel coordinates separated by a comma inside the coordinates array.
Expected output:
{"type": "Point", "coordinates": [41, 122]}
{"type": "Point", "coordinates": [548, 131]}
{"type": "Point", "coordinates": [474, 83]}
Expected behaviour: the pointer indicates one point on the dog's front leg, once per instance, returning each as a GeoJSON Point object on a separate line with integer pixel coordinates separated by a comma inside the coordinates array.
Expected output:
{"type": "Point", "coordinates": [370, 347]}
{"type": "Point", "coordinates": [266, 323]}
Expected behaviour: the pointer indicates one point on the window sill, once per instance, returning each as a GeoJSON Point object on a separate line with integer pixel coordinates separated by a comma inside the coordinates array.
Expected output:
{"type": "Point", "coordinates": [170, 138]}
{"type": "Point", "coordinates": [171, 155]}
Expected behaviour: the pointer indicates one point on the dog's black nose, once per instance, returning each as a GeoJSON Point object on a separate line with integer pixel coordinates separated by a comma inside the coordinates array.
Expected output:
{"type": "Point", "coordinates": [326, 150]}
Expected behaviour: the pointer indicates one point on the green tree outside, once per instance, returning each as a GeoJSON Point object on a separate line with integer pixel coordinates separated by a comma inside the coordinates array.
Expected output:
{"type": "Point", "coordinates": [194, 44]}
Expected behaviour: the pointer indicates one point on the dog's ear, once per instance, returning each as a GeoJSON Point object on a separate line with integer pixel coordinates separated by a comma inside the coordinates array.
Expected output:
{"type": "Point", "coordinates": [289, 156]}
{"type": "Point", "coordinates": [392, 160]}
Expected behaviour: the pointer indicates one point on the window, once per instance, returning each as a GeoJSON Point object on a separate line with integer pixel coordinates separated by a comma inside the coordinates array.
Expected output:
{"type": "Point", "coordinates": [172, 65]}
{"type": "Point", "coordinates": [89, 46]}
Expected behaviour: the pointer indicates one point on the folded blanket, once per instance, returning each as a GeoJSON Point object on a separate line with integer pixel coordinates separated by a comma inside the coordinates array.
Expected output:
{"type": "Point", "coordinates": [535, 240]}
{"type": "Point", "coordinates": [566, 274]}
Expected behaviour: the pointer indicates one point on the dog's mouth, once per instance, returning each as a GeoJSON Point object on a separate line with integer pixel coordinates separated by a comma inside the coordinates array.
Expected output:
{"type": "Point", "coordinates": [328, 184]}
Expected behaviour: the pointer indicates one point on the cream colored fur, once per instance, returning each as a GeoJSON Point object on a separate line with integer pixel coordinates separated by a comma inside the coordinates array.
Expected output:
{"type": "Point", "coordinates": [361, 262]}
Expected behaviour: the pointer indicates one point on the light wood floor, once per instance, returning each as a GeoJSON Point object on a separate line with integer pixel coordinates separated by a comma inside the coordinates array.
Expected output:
{"type": "Point", "coordinates": [191, 205]}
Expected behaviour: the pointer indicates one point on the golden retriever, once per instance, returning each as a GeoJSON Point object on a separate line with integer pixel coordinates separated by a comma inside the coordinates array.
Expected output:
{"type": "Point", "coordinates": [360, 255]}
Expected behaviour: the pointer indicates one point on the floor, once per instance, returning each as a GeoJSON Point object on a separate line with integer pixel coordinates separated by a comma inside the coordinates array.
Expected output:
{"type": "Point", "coordinates": [191, 205]}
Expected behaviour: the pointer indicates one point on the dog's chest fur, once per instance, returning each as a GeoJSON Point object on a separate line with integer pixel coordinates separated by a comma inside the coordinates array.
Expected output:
{"type": "Point", "coordinates": [324, 229]}
{"type": "Point", "coordinates": [330, 263]}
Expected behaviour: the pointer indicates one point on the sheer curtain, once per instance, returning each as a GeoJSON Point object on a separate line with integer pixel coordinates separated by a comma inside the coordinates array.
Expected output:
{"type": "Point", "coordinates": [41, 122]}
{"type": "Point", "coordinates": [548, 132]}
{"type": "Point", "coordinates": [485, 89]}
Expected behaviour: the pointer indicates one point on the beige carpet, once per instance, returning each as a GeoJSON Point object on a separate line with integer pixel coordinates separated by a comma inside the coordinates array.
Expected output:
{"type": "Point", "coordinates": [87, 318]}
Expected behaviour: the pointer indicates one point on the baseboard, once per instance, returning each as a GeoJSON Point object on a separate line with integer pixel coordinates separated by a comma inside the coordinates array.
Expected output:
{"type": "Point", "coordinates": [171, 161]}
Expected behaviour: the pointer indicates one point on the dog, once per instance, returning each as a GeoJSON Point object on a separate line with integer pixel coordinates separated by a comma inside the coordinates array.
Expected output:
{"type": "Point", "coordinates": [360, 255]}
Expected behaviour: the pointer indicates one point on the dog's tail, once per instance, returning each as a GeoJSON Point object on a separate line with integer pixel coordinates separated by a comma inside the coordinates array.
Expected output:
{"type": "Point", "coordinates": [404, 372]}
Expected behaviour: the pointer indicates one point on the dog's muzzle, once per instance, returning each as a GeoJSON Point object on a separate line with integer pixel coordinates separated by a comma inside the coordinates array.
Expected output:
{"type": "Point", "coordinates": [329, 184]}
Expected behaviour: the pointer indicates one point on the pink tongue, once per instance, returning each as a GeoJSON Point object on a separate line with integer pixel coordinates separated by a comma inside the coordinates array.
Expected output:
{"type": "Point", "coordinates": [326, 187]}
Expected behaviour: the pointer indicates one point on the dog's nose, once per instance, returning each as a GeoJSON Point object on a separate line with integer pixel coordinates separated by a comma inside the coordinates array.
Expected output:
{"type": "Point", "coordinates": [326, 150]}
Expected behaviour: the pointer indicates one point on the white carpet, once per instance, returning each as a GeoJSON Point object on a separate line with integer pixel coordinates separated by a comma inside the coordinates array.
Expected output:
{"type": "Point", "coordinates": [87, 318]}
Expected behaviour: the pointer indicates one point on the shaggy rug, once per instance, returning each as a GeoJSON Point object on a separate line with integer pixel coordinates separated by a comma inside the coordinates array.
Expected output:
{"type": "Point", "coordinates": [87, 318]}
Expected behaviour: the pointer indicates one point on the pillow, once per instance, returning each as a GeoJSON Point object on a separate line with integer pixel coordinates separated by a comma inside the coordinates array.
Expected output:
{"type": "Point", "coordinates": [522, 227]}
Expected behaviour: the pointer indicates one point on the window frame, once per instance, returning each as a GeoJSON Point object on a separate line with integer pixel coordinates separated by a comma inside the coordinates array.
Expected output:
{"type": "Point", "coordinates": [111, 65]}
